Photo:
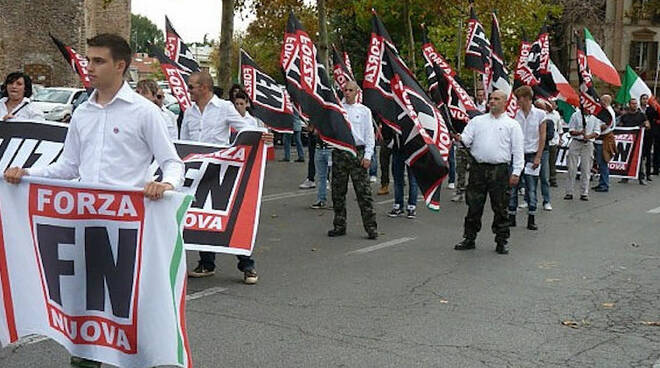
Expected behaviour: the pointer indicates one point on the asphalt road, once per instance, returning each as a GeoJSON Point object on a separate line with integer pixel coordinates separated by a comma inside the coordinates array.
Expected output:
{"type": "Point", "coordinates": [409, 300]}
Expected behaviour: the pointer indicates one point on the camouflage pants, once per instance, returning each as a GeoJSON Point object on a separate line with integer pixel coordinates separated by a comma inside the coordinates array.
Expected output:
{"type": "Point", "coordinates": [487, 180]}
{"type": "Point", "coordinates": [343, 166]}
{"type": "Point", "coordinates": [462, 162]}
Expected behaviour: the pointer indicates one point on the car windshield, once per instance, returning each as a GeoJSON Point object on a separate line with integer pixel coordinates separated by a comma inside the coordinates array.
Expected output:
{"type": "Point", "coordinates": [52, 95]}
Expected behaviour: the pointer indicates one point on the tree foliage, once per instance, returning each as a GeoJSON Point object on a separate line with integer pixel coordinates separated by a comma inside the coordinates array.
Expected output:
{"type": "Point", "coordinates": [144, 33]}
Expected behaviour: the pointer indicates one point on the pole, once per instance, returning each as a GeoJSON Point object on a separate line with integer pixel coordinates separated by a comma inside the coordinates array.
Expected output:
{"type": "Point", "coordinates": [655, 83]}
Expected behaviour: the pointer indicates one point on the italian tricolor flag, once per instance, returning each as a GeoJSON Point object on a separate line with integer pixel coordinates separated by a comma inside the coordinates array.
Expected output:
{"type": "Point", "coordinates": [632, 87]}
{"type": "Point", "coordinates": [566, 92]}
{"type": "Point", "coordinates": [599, 64]}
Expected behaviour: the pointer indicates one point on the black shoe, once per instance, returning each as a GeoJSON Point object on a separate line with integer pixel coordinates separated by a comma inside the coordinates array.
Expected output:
{"type": "Point", "coordinates": [642, 182]}
{"type": "Point", "coordinates": [372, 235]}
{"type": "Point", "coordinates": [554, 185]}
{"type": "Point", "coordinates": [648, 178]}
{"type": "Point", "coordinates": [285, 160]}
{"type": "Point", "coordinates": [201, 271]}
{"type": "Point", "coordinates": [319, 205]}
{"type": "Point", "coordinates": [336, 232]}
{"type": "Point", "coordinates": [512, 220]}
{"type": "Point", "coordinates": [584, 197]}
{"type": "Point", "coordinates": [568, 197]}
{"type": "Point", "coordinates": [396, 212]}
{"type": "Point", "coordinates": [501, 248]}
{"type": "Point", "coordinates": [411, 213]}
{"type": "Point", "coordinates": [465, 244]}
{"type": "Point", "coordinates": [530, 223]}
{"type": "Point", "coordinates": [300, 160]}
{"type": "Point", "coordinates": [601, 190]}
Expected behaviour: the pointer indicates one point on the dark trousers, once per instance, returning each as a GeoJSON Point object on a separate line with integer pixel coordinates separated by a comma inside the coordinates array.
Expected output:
{"type": "Point", "coordinates": [487, 180]}
{"type": "Point", "coordinates": [553, 164]}
{"type": "Point", "coordinates": [345, 165]}
{"type": "Point", "coordinates": [385, 154]}
{"type": "Point", "coordinates": [645, 165]}
{"type": "Point", "coordinates": [656, 152]}
{"type": "Point", "coordinates": [311, 164]}
{"type": "Point", "coordinates": [207, 259]}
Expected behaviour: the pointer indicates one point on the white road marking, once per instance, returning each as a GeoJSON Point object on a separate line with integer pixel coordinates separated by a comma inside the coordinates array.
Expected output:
{"type": "Point", "coordinates": [35, 339]}
{"type": "Point", "coordinates": [205, 292]}
{"type": "Point", "coordinates": [278, 196]}
{"type": "Point", "coordinates": [655, 210]}
{"type": "Point", "coordinates": [387, 244]}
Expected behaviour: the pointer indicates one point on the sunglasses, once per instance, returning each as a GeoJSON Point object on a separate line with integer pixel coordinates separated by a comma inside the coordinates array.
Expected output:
{"type": "Point", "coordinates": [349, 89]}
{"type": "Point", "coordinates": [159, 96]}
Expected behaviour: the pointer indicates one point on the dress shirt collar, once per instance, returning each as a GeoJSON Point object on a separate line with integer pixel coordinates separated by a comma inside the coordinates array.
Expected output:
{"type": "Point", "coordinates": [215, 101]}
{"type": "Point", "coordinates": [125, 93]}
{"type": "Point", "coordinates": [5, 99]}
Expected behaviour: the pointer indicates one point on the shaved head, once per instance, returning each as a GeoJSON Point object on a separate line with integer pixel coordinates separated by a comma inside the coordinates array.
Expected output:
{"type": "Point", "coordinates": [497, 102]}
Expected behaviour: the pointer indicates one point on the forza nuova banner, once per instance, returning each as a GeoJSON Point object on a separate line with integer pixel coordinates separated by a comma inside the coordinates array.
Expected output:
{"type": "Point", "coordinates": [225, 181]}
{"type": "Point", "coordinates": [87, 266]}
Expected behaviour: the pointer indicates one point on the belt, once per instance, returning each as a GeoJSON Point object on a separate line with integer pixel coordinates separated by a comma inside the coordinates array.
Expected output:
{"type": "Point", "coordinates": [489, 164]}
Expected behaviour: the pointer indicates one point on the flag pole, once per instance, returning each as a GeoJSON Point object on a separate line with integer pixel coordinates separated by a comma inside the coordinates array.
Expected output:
{"type": "Point", "coordinates": [655, 83]}
{"type": "Point", "coordinates": [577, 60]}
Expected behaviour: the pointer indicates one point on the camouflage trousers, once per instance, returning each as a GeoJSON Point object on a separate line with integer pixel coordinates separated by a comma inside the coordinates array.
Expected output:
{"type": "Point", "coordinates": [462, 163]}
{"type": "Point", "coordinates": [343, 166]}
{"type": "Point", "coordinates": [487, 180]}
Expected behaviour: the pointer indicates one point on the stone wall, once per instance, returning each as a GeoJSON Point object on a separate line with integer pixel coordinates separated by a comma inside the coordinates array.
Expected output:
{"type": "Point", "coordinates": [26, 46]}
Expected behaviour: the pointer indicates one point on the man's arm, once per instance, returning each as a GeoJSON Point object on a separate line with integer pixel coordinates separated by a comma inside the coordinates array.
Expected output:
{"type": "Point", "coordinates": [369, 136]}
{"type": "Point", "coordinates": [541, 146]}
{"type": "Point", "coordinates": [517, 150]}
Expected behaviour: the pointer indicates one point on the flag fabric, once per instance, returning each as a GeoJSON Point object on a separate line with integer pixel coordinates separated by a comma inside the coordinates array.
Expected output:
{"type": "Point", "coordinates": [600, 65]}
{"type": "Point", "coordinates": [632, 86]}
{"type": "Point", "coordinates": [100, 270]}
{"type": "Point", "coordinates": [177, 51]}
{"type": "Point", "coordinates": [477, 47]}
{"type": "Point", "coordinates": [445, 90]}
{"type": "Point", "coordinates": [176, 77]}
{"type": "Point", "coordinates": [533, 67]}
{"type": "Point", "coordinates": [309, 86]}
{"type": "Point", "coordinates": [270, 101]}
{"type": "Point", "coordinates": [565, 109]}
{"type": "Point", "coordinates": [498, 77]}
{"type": "Point", "coordinates": [396, 98]}
{"type": "Point", "coordinates": [342, 73]}
{"type": "Point", "coordinates": [589, 99]}
{"type": "Point", "coordinates": [564, 89]}
{"type": "Point", "coordinates": [77, 62]}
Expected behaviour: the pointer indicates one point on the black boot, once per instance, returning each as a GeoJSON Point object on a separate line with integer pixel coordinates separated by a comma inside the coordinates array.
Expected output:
{"type": "Point", "coordinates": [512, 220]}
{"type": "Point", "coordinates": [501, 247]}
{"type": "Point", "coordinates": [530, 223]}
{"type": "Point", "coordinates": [465, 244]}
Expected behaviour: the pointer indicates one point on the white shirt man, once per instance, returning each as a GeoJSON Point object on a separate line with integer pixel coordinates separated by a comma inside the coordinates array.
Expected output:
{"type": "Point", "coordinates": [24, 110]}
{"type": "Point", "coordinates": [581, 150]}
{"type": "Point", "coordinates": [114, 144]}
{"type": "Point", "coordinates": [557, 121]}
{"type": "Point", "coordinates": [213, 124]}
{"type": "Point", "coordinates": [361, 127]}
{"type": "Point", "coordinates": [494, 140]}
{"type": "Point", "coordinates": [530, 126]}
{"type": "Point", "coordinates": [170, 120]}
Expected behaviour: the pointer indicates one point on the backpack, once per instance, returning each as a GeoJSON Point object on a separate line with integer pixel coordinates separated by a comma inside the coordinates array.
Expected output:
{"type": "Point", "coordinates": [549, 130]}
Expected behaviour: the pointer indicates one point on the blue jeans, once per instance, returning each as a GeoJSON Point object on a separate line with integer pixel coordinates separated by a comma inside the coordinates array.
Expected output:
{"type": "Point", "coordinates": [530, 184]}
{"type": "Point", "coordinates": [603, 167]}
{"type": "Point", "coordinates": [322, 160]}
{"type": "Point", "coordinates": [398, 169]}
{"type": "Point", "coordinates": [452, 165]}
{"type": "Point", "coordinates": [299, 147]}
{"type": "Point", "coordinates": [373, 169]}
{"type": "Point", "coordinates": [545, 176]}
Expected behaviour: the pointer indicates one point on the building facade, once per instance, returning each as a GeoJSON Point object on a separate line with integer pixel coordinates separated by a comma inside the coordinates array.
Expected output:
{"type": "Point", "coordinates": [26, 46]}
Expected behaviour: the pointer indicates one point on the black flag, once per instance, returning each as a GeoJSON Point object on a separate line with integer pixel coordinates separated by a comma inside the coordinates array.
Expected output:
{"type": "Point", "coordinates": [176, 78]}
{"type": "Point", "coordinates": [177, 51]}
{"type": "Point", "coordinates": [394, 95]}
{"type": "Point", "coordinates": [477, 47]}
{"type": "Point", "coordinates": [309, 86]}
{"type": "Point", "coordinates": [270, 100]}
{"type": "Point", "coordinates": [498, 79]}
{"type": "Point", "coordinates": [77, 62]}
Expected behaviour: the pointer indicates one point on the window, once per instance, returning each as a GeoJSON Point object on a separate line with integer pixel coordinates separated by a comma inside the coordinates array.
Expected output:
{"type": "Point", "coordinates": [643, 56]}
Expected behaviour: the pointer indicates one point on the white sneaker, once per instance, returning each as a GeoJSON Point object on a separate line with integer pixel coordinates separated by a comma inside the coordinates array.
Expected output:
{"type": "Point", "coordinates": [523, 205]}
{"type": "Point", "coordinates": [547, 207]}
{"type": "Point", "coordinates": [458, 198]}
{"type": "Point", "coordinates": [307, 184]}
{"type": "Point", "coordinates": [451, 186]}
{"type": "Point", "coordinates": [373, 179]}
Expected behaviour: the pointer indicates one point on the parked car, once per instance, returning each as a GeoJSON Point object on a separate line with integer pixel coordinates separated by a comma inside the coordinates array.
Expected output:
{"type": "Point", "coordinates": [79, 101]}
{"type": "Point", "coordinates": [56, 103]}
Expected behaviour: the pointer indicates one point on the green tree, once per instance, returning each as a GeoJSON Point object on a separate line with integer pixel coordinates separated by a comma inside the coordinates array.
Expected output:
{"type": "Point", "coordinates": [144, 33]}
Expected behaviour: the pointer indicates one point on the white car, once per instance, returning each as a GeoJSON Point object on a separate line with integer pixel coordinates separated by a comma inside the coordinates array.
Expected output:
{"type": "Point", "coordinates": [56, 103]}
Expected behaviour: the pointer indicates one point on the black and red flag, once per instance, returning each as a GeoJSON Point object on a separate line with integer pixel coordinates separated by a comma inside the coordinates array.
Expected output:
{"type": "Point", "coordinates": [178, 51]}
{"type": "Point", "coordinates": [533, 68]}
{"type": "Point", "coordinates": [589, 99]}
{"type": "Point", "coordinates": [309, 86]}
{"type": "Point", "coordinates": [477, 47]}
{"type": "Point", "coordinates": [176, 78]}
{"type": "Point", "coordinates": [498, 78]}
{"type": "Point", "coordinates": [444, 87]}
{"type": "Point", "coordinates": [77, 61]}
{"type": "Point", "coordinates": [270, 100]}
{"type": "Point", "coordinates": [394, 96]}
{"type": "Point", "coordinates": [342, 72]}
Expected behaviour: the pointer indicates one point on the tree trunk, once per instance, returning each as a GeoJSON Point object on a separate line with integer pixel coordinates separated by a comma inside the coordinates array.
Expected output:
{"type": "Point", "coordinates": [411, 40]}
{"type": "Point", "coordinates": [226, 36]}
{"type": "Point", "coordinates": [323, 33]}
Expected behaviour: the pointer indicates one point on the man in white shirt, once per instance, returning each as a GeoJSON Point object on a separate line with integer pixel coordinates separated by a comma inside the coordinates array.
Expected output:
{"type": "Point", "coordinates": [532, 122]}
{"type": "Point", "coordinates": [480, 100]}
{"type": "Point", "coordinates": [148, 88]}
{"type": "Point", "coordinates": [113, 136]}
{"type": "Point", "coordinates": [344, 164]}
{"type": "Point", "coordinates": [209, 120]}
{"type": "Point", "coordinates": [581, 150]}
{"type": "Point", "coordinates": [493, 139]}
